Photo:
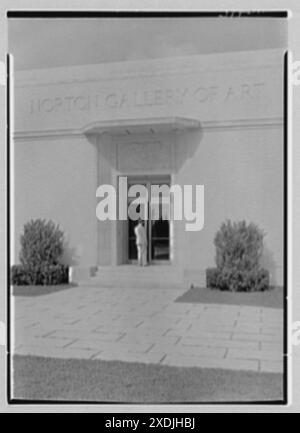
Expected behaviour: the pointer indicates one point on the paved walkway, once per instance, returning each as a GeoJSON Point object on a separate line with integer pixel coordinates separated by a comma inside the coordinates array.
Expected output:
{"type": "Point", "coordinates": [138, 325]}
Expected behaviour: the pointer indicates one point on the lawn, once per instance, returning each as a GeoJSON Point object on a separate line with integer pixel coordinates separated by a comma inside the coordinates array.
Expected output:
{"type": "Point", "coordinates": [40, 290]}
{"type": "Point", "coordinates": [272, 298]}
{"type": "Point", "coordinates": [37, 378]}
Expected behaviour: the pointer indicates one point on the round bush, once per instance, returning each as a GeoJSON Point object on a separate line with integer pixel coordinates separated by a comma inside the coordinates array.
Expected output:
{"type": "Point", "coordinates": [42, 245]}
{"type": "Point", "coordinates": [239, 248]}
{"type": "Point", "coordinates": [40, 276]}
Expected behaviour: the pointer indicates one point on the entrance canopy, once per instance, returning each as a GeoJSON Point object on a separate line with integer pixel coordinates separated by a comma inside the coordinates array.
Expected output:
{"type": "Point", "coordinates": [142, 126]}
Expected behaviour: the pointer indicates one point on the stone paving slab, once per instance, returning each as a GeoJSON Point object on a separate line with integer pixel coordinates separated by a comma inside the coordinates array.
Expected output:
{"type": "Point", "coordinates": [125, 356]}
{"type": "Point", "coordinates": [227, 343]}
{"type": "Point", "coordinates": [44, 342]}
{"type": "Point", "coordinates": [198, 351]}
{"type": "Point", "coordinates": [146, 325]}
{"type": "Point", "coordinates": [261, 355]}
{"type": "Point", "coordinates": [85, 335]}
{"type": "Point", "coordinates": [271, 366]}
{"type": "Point", "coordinates": [212, 362]}
{"type": "Point", "coordinates": [257, 337]}
{"type": "Point", "coordinates": [139, 338]}
{"type": "Point", "coordinates": [275, 347]}
{"type": "Point", "coordinates": [54, 352]}
{"type": "Point", "coordinates": [114, 346]}
{"type": "Point", "coordinates": [199, 333]}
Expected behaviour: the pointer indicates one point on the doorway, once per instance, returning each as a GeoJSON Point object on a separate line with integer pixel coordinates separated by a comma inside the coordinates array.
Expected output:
{"type": "Point", "coordinates": [155, 215]}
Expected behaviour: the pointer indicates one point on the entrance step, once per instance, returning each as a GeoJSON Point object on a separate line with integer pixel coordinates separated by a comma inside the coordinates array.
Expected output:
{"type": "Point", "coordinates": [152, 276]}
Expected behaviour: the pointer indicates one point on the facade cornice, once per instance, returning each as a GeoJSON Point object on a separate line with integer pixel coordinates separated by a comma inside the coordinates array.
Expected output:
{"type": "Point", "coordinates": [204, 126]}
{"type": "Point", "coordinates": [246, 60]}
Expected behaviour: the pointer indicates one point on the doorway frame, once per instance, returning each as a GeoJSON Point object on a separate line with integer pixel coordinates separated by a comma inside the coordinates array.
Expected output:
{"type": "Point", "coordinates": [148, 179]}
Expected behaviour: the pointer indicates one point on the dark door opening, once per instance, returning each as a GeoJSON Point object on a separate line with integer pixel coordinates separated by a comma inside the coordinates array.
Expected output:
{"type": "Point", "coordinates": [156, 222]}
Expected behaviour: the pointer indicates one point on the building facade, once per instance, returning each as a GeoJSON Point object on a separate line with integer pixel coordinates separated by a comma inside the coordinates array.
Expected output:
{"type": "Point", "coordinates": [214, 120]}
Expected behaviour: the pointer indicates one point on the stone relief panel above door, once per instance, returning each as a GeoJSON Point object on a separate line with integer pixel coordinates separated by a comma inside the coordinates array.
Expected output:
{"type": "Point", "coordinates": [138, 155]}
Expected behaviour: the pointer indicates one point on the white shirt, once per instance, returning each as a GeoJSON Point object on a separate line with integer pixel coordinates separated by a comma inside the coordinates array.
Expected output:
{"type": "Point", "coordinates": [140, 234]}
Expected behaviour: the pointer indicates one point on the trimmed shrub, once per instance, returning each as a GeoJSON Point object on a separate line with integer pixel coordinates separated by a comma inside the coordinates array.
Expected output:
{"type": "Point", "coordinates": [236, 280]}
{"type": "Point", "coordinates": [45, 275]}
{"type": "Point", "coordinates": [42, 245]}
{"type": "Point", "coordinates": [19, 277]}
{"type": "Point", "coordinates": [238, 245]}
{"type": "Point", "coordinates": [212, 275]}
{"type": "Point", "coordinates": [239, 248]}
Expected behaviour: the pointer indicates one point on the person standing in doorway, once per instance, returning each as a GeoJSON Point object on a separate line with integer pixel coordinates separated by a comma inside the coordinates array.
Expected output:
{"type": "Point", "coordinates": [141, 243]}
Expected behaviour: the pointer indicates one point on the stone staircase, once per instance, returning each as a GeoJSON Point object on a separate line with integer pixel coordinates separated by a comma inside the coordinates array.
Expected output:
{"type": "Point", "coordinates": [133, 276]}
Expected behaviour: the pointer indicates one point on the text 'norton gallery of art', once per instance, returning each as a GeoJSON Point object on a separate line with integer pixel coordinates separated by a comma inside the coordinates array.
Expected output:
{"type": "Point", "coordinates": [214, 120]}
